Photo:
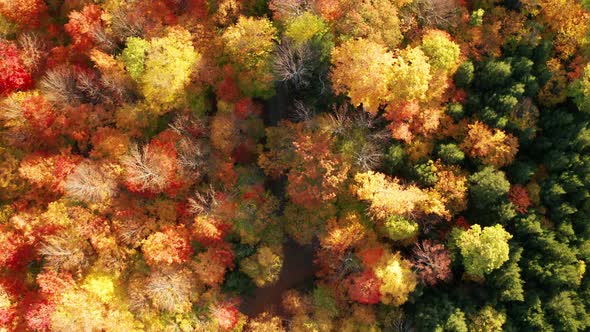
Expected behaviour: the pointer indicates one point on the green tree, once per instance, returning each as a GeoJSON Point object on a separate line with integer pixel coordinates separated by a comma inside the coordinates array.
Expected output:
{"type": "Point", "coordinates": [483, 250]}
{"type": "Point", "coordinates": [487, 187]}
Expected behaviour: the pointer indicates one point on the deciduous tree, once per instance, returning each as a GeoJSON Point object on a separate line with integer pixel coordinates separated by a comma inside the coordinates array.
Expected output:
{"type": "Point", "coordinates": [483, 250]}
{"type": "Point", "coordinates": [362, 71]}
{"type": "Point", "coordinates": [494, 148]}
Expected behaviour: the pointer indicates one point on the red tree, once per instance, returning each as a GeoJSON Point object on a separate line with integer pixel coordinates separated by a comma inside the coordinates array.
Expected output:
{"type": "Point", "coordinates": [13, 75]}
{"type": "Point", "coordinates": [365, 288]}
{"type": "Point", "coordinates": [83, 26]}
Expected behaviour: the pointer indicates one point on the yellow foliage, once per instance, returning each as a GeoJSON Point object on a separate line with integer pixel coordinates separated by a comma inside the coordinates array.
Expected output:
{"type": "Point", "coordinates": [100, 285]}
{"type": "Point", "coordinates": [410, 76]}
{"type": "Point", "coordinates": [388, 197]}
{"type": "Point", "coordinates": [362, 70]}
{"type": "Point", "coordinates": [397, 279]}
{"type": "Point", "coordinates": [169, 63]}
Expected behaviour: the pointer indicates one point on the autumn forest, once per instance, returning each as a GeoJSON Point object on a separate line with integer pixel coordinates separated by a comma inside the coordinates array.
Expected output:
{"type": "Point", "coordinates": [295, 165]}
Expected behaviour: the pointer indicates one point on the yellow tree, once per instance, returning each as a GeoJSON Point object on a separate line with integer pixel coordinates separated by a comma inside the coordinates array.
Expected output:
{"type": "Point", "coordinates": [249, 45]}
{"type": "Point", "coordinates": [362, 70]}
{"type": "Point", "coordinates": [162, 67]}
{"type": "Point", "coordinates": [387, 197]}
{"type": "Point", "coordinates": [397, 279]}
{"type": "Point", "coordinates": [410, 76]}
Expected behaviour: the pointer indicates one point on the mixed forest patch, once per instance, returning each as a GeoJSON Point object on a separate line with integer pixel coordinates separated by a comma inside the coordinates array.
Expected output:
{"type": "Point", "coordinates": [294, 165]}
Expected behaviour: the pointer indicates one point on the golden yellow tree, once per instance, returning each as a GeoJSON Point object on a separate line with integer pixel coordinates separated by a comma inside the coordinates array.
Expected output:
{"type": "Point", "coordinates": [362, 70]}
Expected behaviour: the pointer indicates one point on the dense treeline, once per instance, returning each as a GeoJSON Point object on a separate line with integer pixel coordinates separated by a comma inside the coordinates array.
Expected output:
{"type": "Point", "coordinates": [157, 156]}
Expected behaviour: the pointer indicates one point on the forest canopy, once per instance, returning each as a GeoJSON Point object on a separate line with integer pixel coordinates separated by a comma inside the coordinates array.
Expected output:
{"type": "Point", "coordinates": [294, 165]}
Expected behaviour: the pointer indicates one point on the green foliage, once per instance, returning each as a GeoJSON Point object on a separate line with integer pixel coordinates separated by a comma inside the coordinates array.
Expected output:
{"type": "Point", "coordinates": [494, 74]}
{"type": "Point", "coordinates": [303, 28]}
{"type": "Point", "coordinates": [450, 153]}
{"type": "Point", "coordinates": [580, 91]}
{"type": "Point", "coordinates": [395, 157]}
{"type": "Point", "coordinates": [239, 283]}
{"type": "Point", "coordinates": [487, 187]}
{"type": "Point", "coordinates": [442, 52]}
{"type": "Point", "coordinates": [464, 74]}
{"type": "Point", "coordinates": [506, 281]}
{"type": "Point", "coordinates": [134, 56]}
{"type": "Point", "coordinates": [399, 228]}
{"type": "Point", "coordinates": [426, 173]}
{"type": "Point", "coordinates": [483, 250]}
{"type": "Point", "coordinates": [455, 110]}
{"type": "Point", "coordinates": [476, 17]}
{"type": "Point", "coordinates": [324, 301]}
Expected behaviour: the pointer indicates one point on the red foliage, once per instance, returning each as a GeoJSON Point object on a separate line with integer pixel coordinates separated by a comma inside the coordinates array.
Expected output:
{"type": "Point", "coordinates": [15, 250]}
{"type": "Point", "coordinates": [83, 26]}
{"type": "Point", "coordinates": [13, 75]}
{"type": "Point", "coordinates": [36, 313]}
{"type": "Point", "coordinates": [226, 315]}
{"type": "Point", "coordinates": [246, 107]}
{"type": "Point", "coordinates": [58, 56]}
{"type": "Point", "coordinates": [151, 16]}
{"type": "Point", "coordinates": [198, 8]}
{"type": "Point", "coordinates": [228, 89]}
{"type": "Point", "coordinates": [519, 196]}
{"type": "Point", "coordinates": [461, 222]}
{"type": "Point", "coordinates": [432, 262]}
{"type": "Point", "coordinates": [245, 152]}
{"type": "Point", "coordinates": [170, 246]}
{"type": "Point", "coordinates": [25, 13]}
{"type": "Point", "coordinates": [365, 288]}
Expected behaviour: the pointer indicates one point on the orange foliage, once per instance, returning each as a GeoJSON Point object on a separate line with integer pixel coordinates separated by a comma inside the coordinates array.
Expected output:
{"type": "Point", "coordinates": [49, 171]}
{"type": "Point", "coordinates": [388, 197]}
{"type": "Point", "coordinates": [210, 266]}
{"type": "Point", "coordinates": [318, 173]}
{"type": "Point", "coordinates": [83, 26]}
{"type": "Point", "coordinates": [409, 119]}
{"type": "Point", "coordinates": [26, 13]}
{"type": "Point", "coordinates": [343, 233]}
{"type": "Point", "coordinates": [209, 230]}
{"type": "Point", "coordinates": [495, 147]}
{"type": "Point", "coordinates": [169, 246]}
{"type": "Point", "coordinates": [452, 185]}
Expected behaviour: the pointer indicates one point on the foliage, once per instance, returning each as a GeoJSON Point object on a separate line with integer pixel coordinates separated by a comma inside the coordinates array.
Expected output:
{"type": "Point", "coordinates": [351, 61]}
{"type": "Point", "coordinates": [483, 250]}
{"type": "Point", "coordinates": [325, 165]}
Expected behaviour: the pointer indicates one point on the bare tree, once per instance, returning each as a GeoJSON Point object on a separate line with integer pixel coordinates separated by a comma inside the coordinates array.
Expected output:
{"type": "Point", "coordinates": [170, 289]}
{"type": "Point", "coordinates": [202, 202]}
{"type": "Point", "coordinates": [432, 262]}
{"type": "Point", "coordinates": [33, 50]}
{"type": "Point", "coordinates": [65, 251]}
{"type": "Point", "coordinates": [289, 8]}
{"type": "Point", "coordinates": [89, 183]}
{"type": "Point", "coordinates": [301, 112]}
{"type": "Point", "coordinates": [293, 64]}
{"type": "Point", "coordinates": [123, 27]}
{"type": "Point", "coordinates": [436, 13]}
{"type": "Point", "coordinates": [143, 169]}
{"type": "Point", "coordinates": [60, 87]}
